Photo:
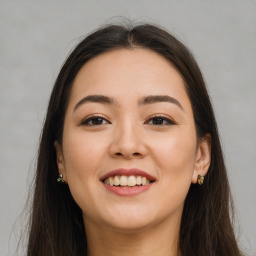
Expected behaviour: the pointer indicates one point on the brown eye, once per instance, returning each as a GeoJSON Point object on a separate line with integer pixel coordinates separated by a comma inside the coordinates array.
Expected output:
{"type": "Point", "coordinates": [160, 120]}
{"type": "Point", "coordinates": [94, 121]}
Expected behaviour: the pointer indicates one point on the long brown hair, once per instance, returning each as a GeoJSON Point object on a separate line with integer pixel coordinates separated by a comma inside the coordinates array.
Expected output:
{"type": "Point", "coordinates": [56, 224]}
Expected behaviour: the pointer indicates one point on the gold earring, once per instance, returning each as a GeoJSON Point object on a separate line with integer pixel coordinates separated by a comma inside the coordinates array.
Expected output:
{"type": "Point", "coordinates": [60, 179]}
{"type": "Point", "coordinates": [200, 180]}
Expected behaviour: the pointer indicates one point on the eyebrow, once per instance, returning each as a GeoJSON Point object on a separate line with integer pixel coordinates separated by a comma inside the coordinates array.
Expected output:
{"type": "Point", "coordinates": [95, 98]}
{"type": "Point", "coordinates": [159, 98]}
{"type": "Point", "coordinates": [151, 99]}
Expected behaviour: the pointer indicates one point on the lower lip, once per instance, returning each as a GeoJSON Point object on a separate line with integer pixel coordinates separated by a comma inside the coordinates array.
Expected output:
{"type": "Point", "coordinates": [127, 191]}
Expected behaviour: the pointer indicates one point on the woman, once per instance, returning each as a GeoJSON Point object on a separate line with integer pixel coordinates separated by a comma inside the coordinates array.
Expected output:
{"type": "Point", "coordinates": [131, 138]}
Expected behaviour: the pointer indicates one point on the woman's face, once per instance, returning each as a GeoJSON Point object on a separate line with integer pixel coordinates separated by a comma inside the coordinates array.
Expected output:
{"type": "Point", "coordinates": [130, 121]}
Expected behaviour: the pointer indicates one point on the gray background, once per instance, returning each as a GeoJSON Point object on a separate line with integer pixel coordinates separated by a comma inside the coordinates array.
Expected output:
{"type": "Point", "coordinates": [35, 40]}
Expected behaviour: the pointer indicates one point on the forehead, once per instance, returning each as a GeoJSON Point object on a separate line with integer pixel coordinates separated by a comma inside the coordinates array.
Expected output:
{"type": "Point", "coordinates": [128, 73]}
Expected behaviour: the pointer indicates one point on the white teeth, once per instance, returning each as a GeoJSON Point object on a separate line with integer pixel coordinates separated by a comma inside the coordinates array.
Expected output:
{"type": "Point", "coordinates": [131, 181]}
{"type": "Point", "coordinates": [106, 181]}
{"type": "Point", "coordinates": [144, 181]}
{"type": "Point", "coordinates": [111, 181]}
{"type": "Point", "coordinates": [138, 180]}
{"type": "Point", "coordinates": [116, 181]}
{"type": "Point", "coordinates": [125, 181]}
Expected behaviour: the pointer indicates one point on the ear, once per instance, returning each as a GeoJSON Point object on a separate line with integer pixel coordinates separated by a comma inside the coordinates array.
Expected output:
{"type": "Point", "coordinates": [203, 158]}
{"type": "Point", "coordinates": [60, 160]}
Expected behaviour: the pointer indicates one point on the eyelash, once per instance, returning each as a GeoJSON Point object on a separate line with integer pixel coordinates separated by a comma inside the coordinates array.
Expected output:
{"type": "Point", "coordinates": [168, 121]}
{"type": "Point", "coordinates": [86, 121]}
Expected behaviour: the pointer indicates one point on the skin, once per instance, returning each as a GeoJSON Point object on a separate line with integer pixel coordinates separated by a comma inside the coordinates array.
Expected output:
{"type": "Point", "coordinates": [128, 137]}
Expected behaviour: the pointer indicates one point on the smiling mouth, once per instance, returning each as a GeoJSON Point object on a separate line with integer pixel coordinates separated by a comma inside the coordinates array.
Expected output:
{"type": "Point", "coordinates": [127, 181]}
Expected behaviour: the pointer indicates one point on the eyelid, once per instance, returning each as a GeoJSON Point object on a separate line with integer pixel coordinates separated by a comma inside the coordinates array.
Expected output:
{"type": "Point", "coordinates": [167, 118]}
{"type": "Point", "coordinates": [90, 117]}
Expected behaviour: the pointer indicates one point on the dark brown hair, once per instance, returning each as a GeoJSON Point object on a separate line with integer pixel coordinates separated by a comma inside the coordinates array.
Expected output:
{"type": "Point", "coordinates": [56, 224]}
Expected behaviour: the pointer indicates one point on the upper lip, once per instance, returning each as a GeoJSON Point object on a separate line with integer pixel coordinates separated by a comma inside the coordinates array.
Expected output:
{"type": "Point", "coordinates": [127, 172]}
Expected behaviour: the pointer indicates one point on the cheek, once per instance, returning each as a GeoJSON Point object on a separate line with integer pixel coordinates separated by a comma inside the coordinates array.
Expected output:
{"type": "Point", "coordinates": [175, 159]}
{"type": "Point", "coordinates": [176, 154]}
{"type": "Point", "coordinates": [82, 155]}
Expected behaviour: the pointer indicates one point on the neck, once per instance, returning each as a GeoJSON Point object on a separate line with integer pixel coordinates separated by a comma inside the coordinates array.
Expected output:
{"type": "Point", "coordinates": [160, 240]}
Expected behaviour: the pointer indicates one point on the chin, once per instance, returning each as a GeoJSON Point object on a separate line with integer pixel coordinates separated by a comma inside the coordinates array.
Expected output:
{"type": "Point", "coordinates": [130, 219]}
{"type": "Point", "coordinates": [130, 225]}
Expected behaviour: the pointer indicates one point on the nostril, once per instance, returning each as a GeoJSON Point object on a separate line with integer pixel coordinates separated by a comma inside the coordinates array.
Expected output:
{"type": "Point", "coordinates": [134, 154]}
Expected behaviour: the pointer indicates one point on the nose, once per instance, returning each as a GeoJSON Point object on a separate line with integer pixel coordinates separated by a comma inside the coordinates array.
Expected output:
{"type": "Point", "coordinates": [128, 142]}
